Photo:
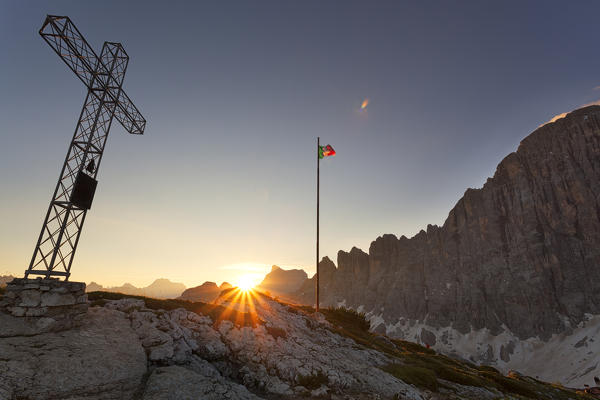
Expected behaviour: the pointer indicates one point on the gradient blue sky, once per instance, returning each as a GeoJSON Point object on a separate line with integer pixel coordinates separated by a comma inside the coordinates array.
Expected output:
{"type": "Point", "coordinates": [235, 94]}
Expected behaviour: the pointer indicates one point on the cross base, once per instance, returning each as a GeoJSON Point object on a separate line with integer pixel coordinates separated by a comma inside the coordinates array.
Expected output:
{"type": "Point", "coordinates": [34, 306]}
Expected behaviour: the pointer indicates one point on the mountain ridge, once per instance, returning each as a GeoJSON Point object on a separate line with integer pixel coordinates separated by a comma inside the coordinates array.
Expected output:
{"type": "Point", "coordinates": [207, 292]}
{"type": "Point", "coordinates": [282, 281]}
{"type": "Point", "coordinates": [517, 258]}
{"type": "Point", "coordinates": [159, 288]}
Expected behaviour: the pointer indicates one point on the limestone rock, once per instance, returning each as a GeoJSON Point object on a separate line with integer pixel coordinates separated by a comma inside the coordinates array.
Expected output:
{"type": "Point", "coordinates": [125, 305]}
{"type": "Point", "coordinates": [51, 299]}
{"type": "Point", "coordinates": [207, 292]}
{"type": "Point", "coordinates": [282, 282]}
{"type": "Point", "coordinates": [522, 252]}
{"type": "Point", "coordinates": [102, 359]}
{"type": "Point", "coordinates": [30, 298]}
{"type": "Point", "coordinates": [42, 305]}
{"type": "Point", "coordinates": [175, 383]}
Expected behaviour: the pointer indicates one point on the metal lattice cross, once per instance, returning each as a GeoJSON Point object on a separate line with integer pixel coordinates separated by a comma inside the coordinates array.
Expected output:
{"type": "Point", "coordinates": [103, 76]}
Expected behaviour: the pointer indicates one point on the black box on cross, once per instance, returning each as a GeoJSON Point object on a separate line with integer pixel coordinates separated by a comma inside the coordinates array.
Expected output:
{"type": "Point", "coordinates": [83, 191]}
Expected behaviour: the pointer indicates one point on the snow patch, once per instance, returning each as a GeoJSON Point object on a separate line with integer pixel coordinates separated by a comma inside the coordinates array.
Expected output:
{"type": "Point", "coordinates": [571, 358]}
{"type": "Point", "coordinates": [341, 304]}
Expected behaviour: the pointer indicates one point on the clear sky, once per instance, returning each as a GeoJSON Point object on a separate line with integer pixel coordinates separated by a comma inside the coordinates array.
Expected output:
{"type": "Point", "coordinates": [236, 93]}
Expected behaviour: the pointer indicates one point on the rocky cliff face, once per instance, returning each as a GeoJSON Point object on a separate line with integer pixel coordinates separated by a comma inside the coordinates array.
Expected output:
{"type": "Point", "coordinates": [207, 292]}
{"type": "Point", "coordinates": [283, 282]}
{"type": "Point", "coordinates": [521, 254]}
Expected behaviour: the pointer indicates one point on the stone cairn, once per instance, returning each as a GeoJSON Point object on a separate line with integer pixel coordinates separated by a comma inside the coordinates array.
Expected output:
{"type": "Point", "coordinates": [50, 304]}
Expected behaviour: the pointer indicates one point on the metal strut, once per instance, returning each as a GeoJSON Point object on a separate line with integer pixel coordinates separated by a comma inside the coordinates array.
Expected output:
{"type": "Point", "coordinates": [103, 76]}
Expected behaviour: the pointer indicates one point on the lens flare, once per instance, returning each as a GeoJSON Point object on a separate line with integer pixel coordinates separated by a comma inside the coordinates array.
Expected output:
{"type": "Point", "coordinates": [364, 104]}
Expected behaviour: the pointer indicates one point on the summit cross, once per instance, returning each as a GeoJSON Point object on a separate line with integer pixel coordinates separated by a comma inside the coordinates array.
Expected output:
{"type": "Point", "coordinates": [103, 77]}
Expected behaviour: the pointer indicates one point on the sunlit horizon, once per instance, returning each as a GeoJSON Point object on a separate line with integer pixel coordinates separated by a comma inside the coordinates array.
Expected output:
{"type": "Point", "coordinates": [225, 173]}
{"type": "Point", "coordinates": [247, 275]}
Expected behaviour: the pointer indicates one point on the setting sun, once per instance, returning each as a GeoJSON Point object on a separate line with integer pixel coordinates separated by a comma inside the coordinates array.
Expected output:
{"type": "Point", "coordinates": [247, 282]}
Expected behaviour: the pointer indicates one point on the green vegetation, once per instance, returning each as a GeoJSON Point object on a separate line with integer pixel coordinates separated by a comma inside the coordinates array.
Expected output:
{"type": "Point", "coordinates": [216, 312]}
{"type": "Point", "coordinates": [487, 368]}
{"type": "Point", "coordinates": [412, 347]}
{"type": "Point", "coordinates": [420, 377]}
{"type": "Point", "coordinates": [511, 385]}
{"type": "Point", "coordinates": [348, 318]}
{"type": "Point", "coordinates": [413, 364]}
{"type": "Point", "coordinates": [312, 382]}
{"type": "Point", "coordinates": [424, 368]}
{"type": "Point", "coordinates": [445, 368]}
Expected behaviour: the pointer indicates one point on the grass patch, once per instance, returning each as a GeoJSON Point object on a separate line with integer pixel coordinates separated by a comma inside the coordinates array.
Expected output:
{"type": "Point", "coordinates": [352, 324]}
{"type": "Point", "coordinates": [312, 382]}
{"type": "Point", "coordinates": [418, 376]}
{"type": "Point", "coordinates": [487, 368]}
{"type": "Point", "coordinates": [446, 368]}
{"type": "Point", "coordinates": [412, 347]}
{"type": "Point", "coordinates": [511, 385]}
{"type": "Point", "coordinates": [216, 312]}
{"type": "Point", "coordinates": [348, 318]}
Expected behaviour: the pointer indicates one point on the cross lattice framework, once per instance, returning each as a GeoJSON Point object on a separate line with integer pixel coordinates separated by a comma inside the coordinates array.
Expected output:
{"type": "Point", "coordinates": [103, 76]}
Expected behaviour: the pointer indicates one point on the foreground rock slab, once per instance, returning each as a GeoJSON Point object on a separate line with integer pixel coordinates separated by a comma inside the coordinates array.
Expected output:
{"type": "Point", "coordinates": [176, 383]}
{"type": "Point", "coordinates": [102, 359]}
{"type": "Point", "coordinates": [125, 350]}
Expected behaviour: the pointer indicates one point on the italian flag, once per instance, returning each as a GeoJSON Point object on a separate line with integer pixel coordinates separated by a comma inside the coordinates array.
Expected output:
{"type": "Point", "coordinates": [326, 151]}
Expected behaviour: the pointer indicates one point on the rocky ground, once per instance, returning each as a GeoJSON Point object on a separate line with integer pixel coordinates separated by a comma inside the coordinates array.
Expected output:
{"type": "Point", "coordinates": [135, 348]}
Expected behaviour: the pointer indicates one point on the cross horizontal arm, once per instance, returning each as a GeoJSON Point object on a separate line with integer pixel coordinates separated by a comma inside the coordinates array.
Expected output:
{"type": "Point", "coordinates": [70, 45]}
{"type": "Point", "coordinates": [128, 115]}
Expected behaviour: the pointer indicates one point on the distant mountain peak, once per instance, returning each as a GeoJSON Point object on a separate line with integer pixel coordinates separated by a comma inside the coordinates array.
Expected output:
{"type": "Point", "coordinates": [281, 282]}
{"type": "Point", "coordinates": [160, 288]}
{"type": "Point", "coordinates": [206, 293]}
{"type": "Point", "coordinates": [161, 280]}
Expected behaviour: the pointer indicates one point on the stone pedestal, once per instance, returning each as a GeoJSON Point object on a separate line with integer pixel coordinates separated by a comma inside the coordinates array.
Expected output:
{"type": "Point", "coordinates": [45, 305]}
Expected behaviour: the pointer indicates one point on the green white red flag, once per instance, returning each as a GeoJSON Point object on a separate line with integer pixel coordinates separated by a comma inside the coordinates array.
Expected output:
{"type": "Point", "coordinates": [326, 151]}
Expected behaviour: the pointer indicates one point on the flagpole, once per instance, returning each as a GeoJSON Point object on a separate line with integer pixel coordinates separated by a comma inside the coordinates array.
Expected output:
{"type": "Point", "coordinates": [318, 163]}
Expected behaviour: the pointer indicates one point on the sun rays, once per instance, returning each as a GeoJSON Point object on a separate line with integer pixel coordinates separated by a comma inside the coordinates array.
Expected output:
{"type": "Point", "coordinates": [240, 305]}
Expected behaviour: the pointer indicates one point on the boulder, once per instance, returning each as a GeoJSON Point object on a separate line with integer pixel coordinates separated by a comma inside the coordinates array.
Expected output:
{"type": "Point", "coordinates": [102, 359]}
{"type": "Point", "coordinates": [175, 383]}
